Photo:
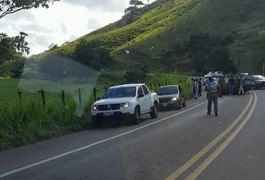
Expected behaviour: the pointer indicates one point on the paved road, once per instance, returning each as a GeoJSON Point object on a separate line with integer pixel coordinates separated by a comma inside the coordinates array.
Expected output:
{"type": "Point", "coordinates": [179, 144]}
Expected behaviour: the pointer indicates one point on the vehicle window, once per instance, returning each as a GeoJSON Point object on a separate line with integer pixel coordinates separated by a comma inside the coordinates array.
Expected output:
{"type": "Point", "coordinates": [145, 89]}
{"type": "Point", "coordinates": [167, 90]}
{"type": "Point", "coordinates": [140, 91]}
{"type": "Point", "coordinates": [119, 92]}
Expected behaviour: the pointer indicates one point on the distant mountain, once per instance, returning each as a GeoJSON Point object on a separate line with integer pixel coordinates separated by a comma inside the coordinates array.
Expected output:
{"type": "Point", "coordinates": [151, 33]}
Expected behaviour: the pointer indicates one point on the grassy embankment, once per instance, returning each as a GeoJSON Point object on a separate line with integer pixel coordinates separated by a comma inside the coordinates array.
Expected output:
{"type": "Point", "coordinates": [155, 33]}
{"type": "Point", "coordinates": [25, 120]}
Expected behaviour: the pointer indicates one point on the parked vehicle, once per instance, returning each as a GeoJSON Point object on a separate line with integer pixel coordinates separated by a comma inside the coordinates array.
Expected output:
{"type": "Point", "coordinates": [211, 73]}
{"type": "Point", "coordinates": [171, 97]}
{"type": "Point", "coordinates": [125, 101]}
{"type": "Point", "coordinates": [206, 80]}
{"type": "Point", "coordinates": [219, 74]}
{"type": "Point", "coordinates": [249, 83]}
{"type": "Point", "coordinates": [259, 81]}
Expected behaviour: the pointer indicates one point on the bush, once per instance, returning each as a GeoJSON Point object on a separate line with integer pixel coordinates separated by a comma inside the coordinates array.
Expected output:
{"type": "Point", "coordinates": [137, 75]}
{"type": "Point", "coordinates": [12, 68]}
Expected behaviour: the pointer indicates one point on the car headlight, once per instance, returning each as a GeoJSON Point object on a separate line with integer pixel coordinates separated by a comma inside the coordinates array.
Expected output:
{"type": "Point", "coordinates": [174, 99]}
{"type": "Point", "coordinates": [124, 105]}
{"type": "Point", "coordinates": [94, 108]}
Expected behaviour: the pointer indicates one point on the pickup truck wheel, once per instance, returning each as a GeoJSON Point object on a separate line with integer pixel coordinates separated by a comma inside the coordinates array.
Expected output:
{"type": "Point", "coordinates": [97, 122]}
{"type": "Point", "coordinates": [154, 112]}
{"type": "Point", "coordinates": [137, 115]}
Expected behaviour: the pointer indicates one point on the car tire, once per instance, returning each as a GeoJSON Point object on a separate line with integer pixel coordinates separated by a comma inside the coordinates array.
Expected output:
{"type": "Point", "coordinates": [154, 112]}
{"type": "Point", "coordinates": [137, 115]}
{"type": "Point", "coordinates": [178, 107]}
{"type": "Point", "coordinates": [97, 122]}
{"type": "Point", "coordinates": [184, 104]}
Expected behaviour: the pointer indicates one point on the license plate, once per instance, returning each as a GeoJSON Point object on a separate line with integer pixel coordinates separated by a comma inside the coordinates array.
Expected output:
{"type": "Point", "coordinates": [164, 104]}
{"type": "Point", "coordinates": [108, 114]}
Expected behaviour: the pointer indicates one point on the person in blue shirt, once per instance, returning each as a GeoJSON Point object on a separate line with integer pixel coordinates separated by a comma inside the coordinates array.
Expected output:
{"type": "Point", "coordinates": [241, 88]}
{"type": "Point", "coordinates": [212, 95]}
{"type": "Point", "coordinates": [231, 83]}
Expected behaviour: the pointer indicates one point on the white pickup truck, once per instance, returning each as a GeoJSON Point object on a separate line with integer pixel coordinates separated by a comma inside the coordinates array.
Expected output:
{"type": "Point", "coordinates": [125, 101]}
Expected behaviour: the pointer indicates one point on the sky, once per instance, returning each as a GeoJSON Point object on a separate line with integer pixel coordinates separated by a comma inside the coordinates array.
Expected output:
{"type": "Point", "coordinates": [63, 21]}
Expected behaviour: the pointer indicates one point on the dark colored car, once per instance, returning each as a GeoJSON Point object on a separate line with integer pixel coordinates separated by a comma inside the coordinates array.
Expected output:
{"type": "Point", "coordinates": [171, 97]}
{"type": "Point", "coordinates": [259, 81]}
{"type": "Point", "coordinates": [249, 84]}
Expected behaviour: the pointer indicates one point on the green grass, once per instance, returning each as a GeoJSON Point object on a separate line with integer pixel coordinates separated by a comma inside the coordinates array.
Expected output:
{"type": "Point", "coordinates": [171, 21]}
{"type": "Point", "coordinates": [8, 89]}
{"type": "Point", "coordinates": [26, 120]}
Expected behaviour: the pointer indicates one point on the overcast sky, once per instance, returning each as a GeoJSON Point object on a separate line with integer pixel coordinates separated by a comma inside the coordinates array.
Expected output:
{"type": "Point", "coordinates": [63, 21]}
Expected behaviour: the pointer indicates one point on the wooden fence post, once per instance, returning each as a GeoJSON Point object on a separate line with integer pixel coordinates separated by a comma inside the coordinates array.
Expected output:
{"type": "Point", "coordinates": [43, 97]}
{"type": "Point", "coordinates": [63, 97]}
{"type": "Point", "coordinates": [79, 96]}
{"type": "Point", "coordinates": [19, 94]}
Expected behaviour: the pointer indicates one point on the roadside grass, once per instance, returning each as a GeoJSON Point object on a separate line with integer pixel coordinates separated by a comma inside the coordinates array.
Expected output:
{"type": "Point", "coordinates": [26, 120]}
{"type": "Point", "coordinates": [8, 89]}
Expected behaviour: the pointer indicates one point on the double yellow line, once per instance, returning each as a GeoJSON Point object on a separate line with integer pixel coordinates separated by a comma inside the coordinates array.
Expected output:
{"type": "Point", "coordinates": [228, 134]}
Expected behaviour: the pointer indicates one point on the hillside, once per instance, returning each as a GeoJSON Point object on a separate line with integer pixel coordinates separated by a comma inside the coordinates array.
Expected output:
{"type": "Point", "coordinates": [152, 35]}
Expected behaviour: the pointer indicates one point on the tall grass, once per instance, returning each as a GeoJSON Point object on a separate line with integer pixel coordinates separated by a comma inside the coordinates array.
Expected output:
{"type": "Point", "coordinates": [27, 120]}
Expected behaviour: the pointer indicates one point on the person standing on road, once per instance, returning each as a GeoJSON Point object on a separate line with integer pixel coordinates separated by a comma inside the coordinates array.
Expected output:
{"type": "Point", "coordinates": [192, 87]}
{"type": "Point", "coordinates": [241, 87]}
{"type": "Point", "coordinates": [221, 83]}
{"type": "Point", "coordinates": [212, 94]}
{"type": "Point", "coordinates": [231, 86]}
{"type": "Point", "coordinates": [196, 88]}
{"type": "Point", "coordinates": [200, 87]}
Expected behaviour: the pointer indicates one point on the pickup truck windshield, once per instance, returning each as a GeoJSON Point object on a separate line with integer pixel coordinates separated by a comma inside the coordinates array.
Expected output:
{"type": "Point", "coordinates": [119, 92]}
{"type": "Point", "coordinates": [167, 90]}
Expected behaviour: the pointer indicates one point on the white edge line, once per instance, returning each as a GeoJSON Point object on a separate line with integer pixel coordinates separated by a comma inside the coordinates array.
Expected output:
{"type": "Point", "coordinates": [93, 144]}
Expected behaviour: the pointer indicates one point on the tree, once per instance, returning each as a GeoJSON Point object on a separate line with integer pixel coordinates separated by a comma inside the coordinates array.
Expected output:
{"type": "Point", "coordinates": [53, 46]}
{"type": "Point", "coordinates": [12, 6]}
{"type": "Point", "coordinates": [11, 46]}
{"type": "Point", "coordinates": [12, 68]}
{"type": "Point", "coordinates": [131, 10]}
{"type": "Point", "coordinates": [93, 54]}
{"type": "Point", "coordinates": [209, 52]}
{"type": "Point", "coordinates": [136, 3]}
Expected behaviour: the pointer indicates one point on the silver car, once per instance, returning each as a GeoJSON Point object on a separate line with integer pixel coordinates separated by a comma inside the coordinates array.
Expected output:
{"type": "Point", "coordinates": [171, 97]}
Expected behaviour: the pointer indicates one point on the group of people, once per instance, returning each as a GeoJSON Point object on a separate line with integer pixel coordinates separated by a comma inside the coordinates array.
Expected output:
{"type": "Point", "coordinates": [231, 85]}
{"type": "Point", "coordinates": [215, 89]}
{"type": "Point", "coordinates": [196, 87]}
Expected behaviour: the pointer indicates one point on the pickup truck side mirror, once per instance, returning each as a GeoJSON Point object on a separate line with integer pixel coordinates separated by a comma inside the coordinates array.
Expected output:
{"type": "Point", "coordinates": [98, 98]}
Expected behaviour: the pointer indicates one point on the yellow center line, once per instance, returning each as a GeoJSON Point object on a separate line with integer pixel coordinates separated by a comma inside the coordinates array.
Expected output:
{"type": "Point", "coordinates": [199, 155]}
{"type": "Point", "coordinates": [220, 149]}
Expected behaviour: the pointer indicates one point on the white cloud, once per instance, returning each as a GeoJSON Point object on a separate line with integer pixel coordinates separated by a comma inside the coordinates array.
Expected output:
{"type": "Point", "coordinates": [101, 5]}
{"type": "Point", "coordinates": [60, 23]}
{"type": "Point", "coordinates": [63, 21]}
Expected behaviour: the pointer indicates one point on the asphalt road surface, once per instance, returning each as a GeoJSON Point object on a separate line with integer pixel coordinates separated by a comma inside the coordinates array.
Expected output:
{"type": "Point", "coordinates": [182, 144]}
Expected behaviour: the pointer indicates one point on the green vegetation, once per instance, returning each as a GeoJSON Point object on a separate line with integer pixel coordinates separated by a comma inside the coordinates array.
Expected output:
{"type": "Point", "coordinates": [25, 119]}
{"type": "Point", "coordinates": [157, 28]}
{"type": "Point", "coordinates": [208, 53]}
